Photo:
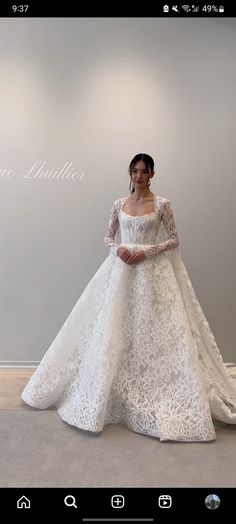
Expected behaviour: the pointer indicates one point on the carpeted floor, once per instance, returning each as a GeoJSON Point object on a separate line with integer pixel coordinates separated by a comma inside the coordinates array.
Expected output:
{"type": "Point", "coordinates": [39, 449]}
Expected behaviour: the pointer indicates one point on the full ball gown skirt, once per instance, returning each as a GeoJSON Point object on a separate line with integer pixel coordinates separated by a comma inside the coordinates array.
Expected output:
{"type": "Point", "coordinates": [136, 348]}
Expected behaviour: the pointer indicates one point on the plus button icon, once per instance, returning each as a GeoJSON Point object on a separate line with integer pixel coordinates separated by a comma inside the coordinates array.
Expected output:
{"type": "Point", "coordinates": [117, 501]}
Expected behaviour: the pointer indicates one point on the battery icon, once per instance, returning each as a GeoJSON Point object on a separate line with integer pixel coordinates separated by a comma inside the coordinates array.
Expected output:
{"type": "Point", "coordinates": [221, 9]}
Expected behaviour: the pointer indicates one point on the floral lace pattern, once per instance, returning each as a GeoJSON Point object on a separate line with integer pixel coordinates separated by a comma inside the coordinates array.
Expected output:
{"type": "Point", "coordinates": [136, 347]}
{"type": "Point", "coordinates": [130, 228]}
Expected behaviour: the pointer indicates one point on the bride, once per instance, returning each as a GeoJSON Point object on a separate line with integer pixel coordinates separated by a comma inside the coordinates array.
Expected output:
{"type": "Point", "coordinates": [137, 348]}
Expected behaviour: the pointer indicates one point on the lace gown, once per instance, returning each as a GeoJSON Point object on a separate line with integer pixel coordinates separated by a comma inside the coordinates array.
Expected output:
{"type": "Point", "coordinates": [136, 348]}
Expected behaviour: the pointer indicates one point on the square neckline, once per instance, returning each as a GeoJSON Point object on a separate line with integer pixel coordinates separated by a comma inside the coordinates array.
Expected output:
{"type": "Point", "coordinates": [139, 216]}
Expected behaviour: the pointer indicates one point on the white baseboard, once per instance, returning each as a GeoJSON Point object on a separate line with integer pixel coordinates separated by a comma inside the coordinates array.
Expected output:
{"type": "Point", "coordinates": [19, 363]}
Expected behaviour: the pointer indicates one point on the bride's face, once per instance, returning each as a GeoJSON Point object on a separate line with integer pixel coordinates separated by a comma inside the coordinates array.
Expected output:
{"type": "Point", "coordinates": [140, 174]}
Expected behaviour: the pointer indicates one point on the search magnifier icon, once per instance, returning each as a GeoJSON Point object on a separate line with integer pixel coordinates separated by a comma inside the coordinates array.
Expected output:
{"type": "Point", "coordinates": [70, 501]}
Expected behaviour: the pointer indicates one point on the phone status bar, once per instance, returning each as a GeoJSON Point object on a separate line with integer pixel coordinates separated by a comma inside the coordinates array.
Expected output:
{"type": "Point", "coordinates": [205, 9]}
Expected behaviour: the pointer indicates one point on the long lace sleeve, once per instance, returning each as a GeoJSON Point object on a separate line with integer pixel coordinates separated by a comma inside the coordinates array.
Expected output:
{"type": "Point", "coordinates": [109, 238]}
{"type": "Point", "coordinates": [169, 223]}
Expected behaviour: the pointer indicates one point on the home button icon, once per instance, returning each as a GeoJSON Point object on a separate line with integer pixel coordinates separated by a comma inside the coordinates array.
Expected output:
{"type": "Point", "coordinates": [23, 503]}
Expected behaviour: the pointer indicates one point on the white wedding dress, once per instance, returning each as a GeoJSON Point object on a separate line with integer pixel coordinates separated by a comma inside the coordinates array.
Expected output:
{"type": "Point", "coordinates": [136, 348]}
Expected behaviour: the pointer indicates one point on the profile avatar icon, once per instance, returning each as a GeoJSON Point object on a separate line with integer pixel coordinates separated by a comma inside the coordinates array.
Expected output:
{"type": "Point", "coordinates": [212, 501]}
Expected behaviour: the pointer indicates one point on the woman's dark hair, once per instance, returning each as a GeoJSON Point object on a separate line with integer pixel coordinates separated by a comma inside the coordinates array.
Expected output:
{"type": "Point", "coordinates": [148, 161]}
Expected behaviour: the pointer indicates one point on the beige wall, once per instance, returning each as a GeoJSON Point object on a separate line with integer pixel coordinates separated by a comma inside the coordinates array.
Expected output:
{"type": "Point", "coordinates": [95, 92]}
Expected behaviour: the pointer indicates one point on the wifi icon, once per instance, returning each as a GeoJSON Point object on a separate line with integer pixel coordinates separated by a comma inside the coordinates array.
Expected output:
{"type": "Point", "coordinates": [186, 8]}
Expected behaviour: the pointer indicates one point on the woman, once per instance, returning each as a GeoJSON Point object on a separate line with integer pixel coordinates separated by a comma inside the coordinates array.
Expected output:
{"type": "Point", "coordinates": [136, 348]}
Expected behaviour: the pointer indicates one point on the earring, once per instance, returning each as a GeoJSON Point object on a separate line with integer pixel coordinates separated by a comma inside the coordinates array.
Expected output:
{"type": "Point", "coordinates": [131, 186]}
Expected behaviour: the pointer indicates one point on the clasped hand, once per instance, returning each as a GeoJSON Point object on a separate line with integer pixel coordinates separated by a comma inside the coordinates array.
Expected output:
{"type": "Point", "coordinates": [128, 257]}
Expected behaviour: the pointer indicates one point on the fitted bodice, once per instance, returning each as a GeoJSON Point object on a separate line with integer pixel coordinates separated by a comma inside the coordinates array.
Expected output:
{"type": "Point", "coordinates": [141, 229]}
{"type": "Point", "coordinates": [141, 232]}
